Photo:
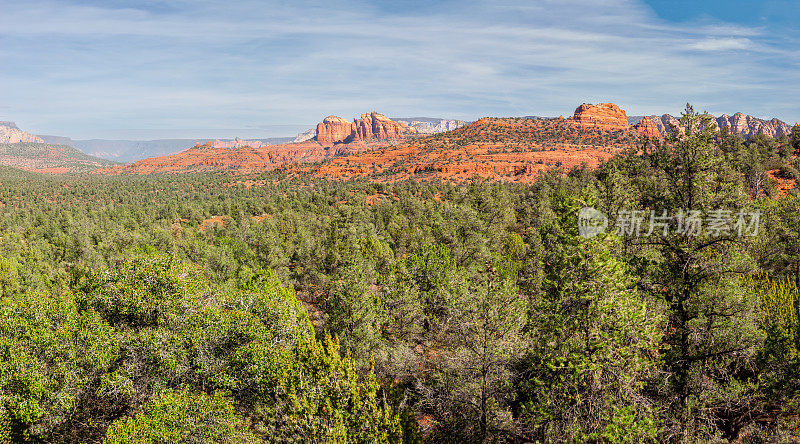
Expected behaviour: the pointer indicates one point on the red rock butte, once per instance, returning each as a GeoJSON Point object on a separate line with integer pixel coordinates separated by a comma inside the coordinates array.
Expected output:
{"type": "Point", "coordinates": [372, 126]}
{"type": "Point", "coordinates": [333, 129]}
{"type": "Point", "coordinates": [609, 116]}
{"type": "Point", "coordinates": [603, 115]}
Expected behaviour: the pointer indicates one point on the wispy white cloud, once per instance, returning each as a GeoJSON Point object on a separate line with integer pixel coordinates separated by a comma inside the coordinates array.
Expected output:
{"type": "Point", "coordinates": [82, 68]}
{"type": "Point", "coordinates": [722, 44]}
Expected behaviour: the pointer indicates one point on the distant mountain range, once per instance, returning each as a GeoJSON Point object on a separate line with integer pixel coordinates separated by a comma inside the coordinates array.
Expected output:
{"type": "Point", "coordinates": [133, 150]}
{"type": "Point", "coordinates": [333, 137]}
{"type": "Point", "coordinates": [739, 123]}
{"type": "Point", "coordinates": [21, 149]}
{"type": "Point", "coordinates": [48, 158]}
{"type": "Point", "coordinates": [428, 125]}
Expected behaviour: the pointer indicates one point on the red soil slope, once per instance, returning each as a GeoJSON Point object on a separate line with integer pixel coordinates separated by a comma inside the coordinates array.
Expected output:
{"type": "Point", "coordinates": [781, 183]}
{"type": "Point", "coordinates": [241, 159]}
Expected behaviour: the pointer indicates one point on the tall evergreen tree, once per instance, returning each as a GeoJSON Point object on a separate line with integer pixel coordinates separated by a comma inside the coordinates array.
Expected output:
{"type": "Point", "coordinates": [711, 337]}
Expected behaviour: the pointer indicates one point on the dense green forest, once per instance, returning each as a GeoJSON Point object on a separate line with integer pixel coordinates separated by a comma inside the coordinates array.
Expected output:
{"type": "Point", "coordinates": [306, 310]}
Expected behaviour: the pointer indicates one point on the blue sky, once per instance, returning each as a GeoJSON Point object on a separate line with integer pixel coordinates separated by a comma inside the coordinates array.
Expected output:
{"type": "Point", "coordinates": [207, 68]}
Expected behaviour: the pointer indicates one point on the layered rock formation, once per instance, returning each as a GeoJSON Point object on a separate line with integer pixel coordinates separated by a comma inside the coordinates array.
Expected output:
{"type": "Point", "coordinates": [427, 126]}
{"type": "Point", "coordinates": [236, 143]}
{"type": "Point", "coordinates": [9, 133]}
{"type": "Point", "coordinates": [377, 126]}
{"type": "Point", "coordinates": [738, 123]}
{"type": "Point", "coordinates": [334, 129]}
{"type": "Point", "coordinates": [664, 123]}
{"type": "Point", "coordinates": [304, 136]}
{"type": "Point", "coordinates": [420, 125]}
{"type": "Point", "coordinates": [603, 115]}
{"type": "Point", "coordinates": [750, 126]}
{"type": "Point", "coordinates": [647, 128]}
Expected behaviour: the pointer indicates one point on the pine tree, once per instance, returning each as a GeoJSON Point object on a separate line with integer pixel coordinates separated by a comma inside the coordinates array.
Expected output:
{"type": "Point", "coordinates": [711, 334]}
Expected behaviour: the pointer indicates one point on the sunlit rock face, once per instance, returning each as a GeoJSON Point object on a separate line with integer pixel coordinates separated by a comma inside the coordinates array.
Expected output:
{"type": "Point", "coordinates": [9, 133]}
{"type": "Point", "coordinates": [604, 115]}
{"type": "Point", "coordinates": [334, 129]}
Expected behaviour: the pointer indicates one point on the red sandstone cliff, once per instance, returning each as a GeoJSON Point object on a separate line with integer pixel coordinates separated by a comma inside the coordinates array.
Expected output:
{"type": "Point", "coordinates": [603, 115]}
{"type": "Point", "coordinates": [370, 126]}
{"type": "Point", "coordinates": [378, 126]}
{"type": "Point", "coordinates": [647, 128]}
{"type": "Point", "coordinates": [333, 129]}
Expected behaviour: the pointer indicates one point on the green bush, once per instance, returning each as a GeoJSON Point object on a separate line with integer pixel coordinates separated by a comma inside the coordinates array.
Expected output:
{"type": "Point", "coordinates": [181, 417]}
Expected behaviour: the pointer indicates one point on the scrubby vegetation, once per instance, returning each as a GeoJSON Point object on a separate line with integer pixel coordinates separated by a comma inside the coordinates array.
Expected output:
{"type": "Point", "coordinates": [530, 134]}
{"type": "Point", "coordinates": [43, 156]}
{"type": "Point", "coordinates": [316, 311]}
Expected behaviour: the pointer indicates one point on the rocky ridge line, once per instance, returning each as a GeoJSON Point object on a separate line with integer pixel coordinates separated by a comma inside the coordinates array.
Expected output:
{"type": "Point", "coordinates": [738, 123]}
{"type": "Point", "coordinates": [10, 133]}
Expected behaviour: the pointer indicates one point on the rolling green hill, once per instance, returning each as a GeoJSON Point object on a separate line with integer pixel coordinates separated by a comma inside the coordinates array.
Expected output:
{"type": "Point", "coordinates": [45, 157]}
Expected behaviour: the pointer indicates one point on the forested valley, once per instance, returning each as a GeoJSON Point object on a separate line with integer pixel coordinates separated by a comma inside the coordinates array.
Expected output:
{"type": "Point", "coordinates": [261, 308]}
